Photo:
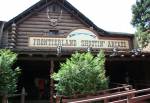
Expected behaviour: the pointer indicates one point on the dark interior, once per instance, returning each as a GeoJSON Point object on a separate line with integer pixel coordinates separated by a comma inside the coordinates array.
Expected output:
{"type": "Point", "coordinates": [35, 79]}
{"type": "Point", "coordinates": [131, 72]}
{"type": "Point", "coordinates": [35, 75]}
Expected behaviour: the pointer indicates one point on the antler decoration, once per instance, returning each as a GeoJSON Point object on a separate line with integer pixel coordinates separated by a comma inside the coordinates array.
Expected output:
{"type": "Point", "coordinates": [53, 20]}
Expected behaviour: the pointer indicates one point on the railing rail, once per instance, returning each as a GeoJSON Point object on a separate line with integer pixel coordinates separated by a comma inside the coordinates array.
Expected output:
{"type": "Point", "coordinates": [6, 96]}
{"type": "Point", "coordinates": [128, 96]}
{"type": "Point", "coordinates": [103, 97]}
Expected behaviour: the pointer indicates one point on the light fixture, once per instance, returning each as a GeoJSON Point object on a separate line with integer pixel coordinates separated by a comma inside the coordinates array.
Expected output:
{"type": "Point", "coordinates": [122, 55]}
{"type": "Point", "coordinates": [59, 50]}
{"type": "Point", "coordinates": [133, 55]}
{"type": "Point", "coordinates": [114, 52]}
{"type": "Point", "coordinates": [89, 49]}
{"type": "Point", "coordinates": [143, 55]}
{"type": "Point", "coordinates": [136, 51]}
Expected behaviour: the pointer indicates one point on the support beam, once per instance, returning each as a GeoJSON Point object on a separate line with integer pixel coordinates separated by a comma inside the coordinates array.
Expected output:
{"type": "Point", "coordinates": [1, 32]}
{"type": "Point", "coordinates": [51, 81]}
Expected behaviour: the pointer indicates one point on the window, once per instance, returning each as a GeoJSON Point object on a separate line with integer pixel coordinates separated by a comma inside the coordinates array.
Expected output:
{"type": "Point", "coordinates": [53, 32]}
{"type": "Point", "coordinates": [54, 8]}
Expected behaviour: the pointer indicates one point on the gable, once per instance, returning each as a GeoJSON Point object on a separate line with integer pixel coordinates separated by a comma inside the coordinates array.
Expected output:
{"type": "Point", "coordinates": [47, 21]}
{"type": "Point", "coordinates": [43, 3]}
{"type": "Point", "coordinates": [54, 19]}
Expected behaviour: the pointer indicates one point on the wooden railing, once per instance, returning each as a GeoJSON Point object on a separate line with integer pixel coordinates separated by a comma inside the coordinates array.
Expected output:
{"type": "Point", "coordinates": [7, 96]}
{"type": "Point", "coordinates": [100, 93]}
{"type": "Point", "coordinates": [128, 95]}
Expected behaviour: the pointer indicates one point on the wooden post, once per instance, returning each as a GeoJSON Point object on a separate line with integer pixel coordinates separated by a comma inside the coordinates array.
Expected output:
{"type": "Point", "coordinates": [51, 82]}
{"type": "Point", "coordinates": [58, 99]}
{"type": "Point", "coordinates": [4, 98]}
{"type": "Point", "coordinates": [129, 98]}
{"type": "Point", "coordinates": [23, 95]}
{"type": "Point", "coordinates": [105, 100]}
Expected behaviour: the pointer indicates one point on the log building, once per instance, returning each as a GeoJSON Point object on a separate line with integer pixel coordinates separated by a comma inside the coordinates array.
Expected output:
{"type": "Point", "coordinates": [48, 32]}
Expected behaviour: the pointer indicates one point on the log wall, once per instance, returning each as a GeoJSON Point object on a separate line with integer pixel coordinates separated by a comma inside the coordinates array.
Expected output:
{"type": "Point", "coordinates": [38, 24]}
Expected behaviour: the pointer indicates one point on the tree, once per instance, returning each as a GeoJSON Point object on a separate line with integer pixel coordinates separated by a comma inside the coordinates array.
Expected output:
{"type": "Point", "coordinates": [141, 21]}
{"type": "Point", "coordinates": [8, 76]}
{"type": "Point", "coordinates": [82, 73]}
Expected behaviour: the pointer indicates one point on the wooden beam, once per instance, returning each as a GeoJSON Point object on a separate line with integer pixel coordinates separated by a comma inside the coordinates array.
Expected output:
{"type": "Point", "coordinates": [1, 32]}
{"type": "Point", "coordinates": [51, 81]}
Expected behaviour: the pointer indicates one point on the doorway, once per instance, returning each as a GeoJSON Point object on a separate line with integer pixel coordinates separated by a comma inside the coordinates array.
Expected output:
{"type": "Point", "coordinates": [35, 78]}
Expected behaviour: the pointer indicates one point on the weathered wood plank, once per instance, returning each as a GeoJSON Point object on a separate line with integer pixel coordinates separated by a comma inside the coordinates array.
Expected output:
{"type": "Point", "coordinates": [33, 29]}
{"type": "Point", "coordinates": [22, 40]}
{"type": "Point", "coordinates": [47, 24]}
{"type": "Point", "coordinates": [34, 33]}
{"type": "Point", "coordinates": [27, 33]}
{"type": "Point", "coordinates": [22, 44]}
{"type": "Point", "coordinates": [45, 13]}
{"type": "Point", "coordinates": [44, 29]}
{"type": "Point", "coordinates": [46, 20]}
{"type": "Point", "coordinates": [63, 16]}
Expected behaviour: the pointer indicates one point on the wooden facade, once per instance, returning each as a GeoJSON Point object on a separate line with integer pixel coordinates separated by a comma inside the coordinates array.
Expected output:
{"type": "Point", "coordinates": [57, 19]}
{"type": "Point", "coordinates": [36, 22]}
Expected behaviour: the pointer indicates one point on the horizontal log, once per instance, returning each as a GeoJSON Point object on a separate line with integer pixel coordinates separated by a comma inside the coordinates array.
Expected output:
{"type": "Point", "coordinates": [22, 41]}
{"type": "Point", "coordinates": [22, 47]}
{"type": "Point", "coordinates": [62, 20]}
{"type": "Point", "coordinates": [22, 44]}
{"type": "Point", "coordinates": [53, 15]}
{"type": "Point", "coordinates": [44, 29]}
{"type": "Point", "coordinates": [21, 36]}
{"type": "Point", "coordinates": [140, 98]}
{"type": "Point", "coordinates": [27, 33]}
{"type": "Point", "coordinates": [30, 24]}
{"type": "Point", "coordinates": [119, 101]}
{"type": "Point", "coordinates": [45, 11]}
{"type": "Point", "coordinates": [41, 50]}
{"type": "Point", "coordinates": [33, 29]}
{"type": "Point", "coordinates": [48, 27]}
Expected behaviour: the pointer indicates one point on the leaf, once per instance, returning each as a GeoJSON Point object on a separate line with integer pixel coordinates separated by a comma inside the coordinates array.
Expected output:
{"type": "Point", "coordinates": [8, 76]}
{"type": "Point", "coordinates": [82, 73]}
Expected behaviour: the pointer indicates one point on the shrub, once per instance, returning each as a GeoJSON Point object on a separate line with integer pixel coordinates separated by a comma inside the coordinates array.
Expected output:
{"type": "Point", "coordinates": [81, 74]}
{"type": "Point", "coordinates": [8, 76]}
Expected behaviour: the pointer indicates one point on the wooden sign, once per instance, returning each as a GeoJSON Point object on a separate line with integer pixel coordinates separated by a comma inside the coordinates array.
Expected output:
{"type": "Point", "coordinates": [47, 42]}
{"type": "Point", "coordinates": [79, 38]}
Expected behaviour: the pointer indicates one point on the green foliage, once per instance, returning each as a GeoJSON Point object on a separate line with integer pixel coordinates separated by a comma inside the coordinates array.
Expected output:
{"type": "Point", "coordinates": [143, 38]}
{"type": "Point", "coordinates": [8, 77]}
{"type": "Point", "coordinates": [82, 73]}
{"type": "Point", "coordinates": [141, 20]}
